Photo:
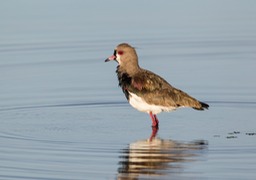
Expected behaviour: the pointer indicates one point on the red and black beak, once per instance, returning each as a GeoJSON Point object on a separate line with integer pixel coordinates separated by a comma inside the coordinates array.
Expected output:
{"type": "Point", "coordinates": [113, 57]}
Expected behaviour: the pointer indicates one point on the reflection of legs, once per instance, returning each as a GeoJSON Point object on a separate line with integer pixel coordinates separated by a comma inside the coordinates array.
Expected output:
{"type": "Point", "coordinates": [154, 119]}
{"type": "Point", "coordinates": [153, 134]}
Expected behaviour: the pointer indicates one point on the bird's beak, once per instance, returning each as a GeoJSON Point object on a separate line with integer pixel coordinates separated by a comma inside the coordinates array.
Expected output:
{"type": "Point", "coordinates": [113, 57]}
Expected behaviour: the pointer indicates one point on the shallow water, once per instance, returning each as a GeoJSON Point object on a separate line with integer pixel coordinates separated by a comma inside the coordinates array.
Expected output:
{"type": "Point", "coordinates": [63, 116]}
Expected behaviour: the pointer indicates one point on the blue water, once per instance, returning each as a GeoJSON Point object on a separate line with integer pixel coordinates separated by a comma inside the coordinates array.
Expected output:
{"type": "Point", "coordinates": [63, 115]}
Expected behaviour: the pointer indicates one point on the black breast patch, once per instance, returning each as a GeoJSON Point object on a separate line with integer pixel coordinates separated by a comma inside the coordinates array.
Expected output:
{"type": "Point", "coordinates": [124, 81]}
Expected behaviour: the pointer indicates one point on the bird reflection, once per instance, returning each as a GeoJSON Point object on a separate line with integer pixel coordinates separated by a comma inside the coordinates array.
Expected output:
{"type": "Point", "coordinates": [157, 157]}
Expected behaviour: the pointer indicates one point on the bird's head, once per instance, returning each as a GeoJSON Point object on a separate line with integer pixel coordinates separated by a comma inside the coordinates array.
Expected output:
{"type": "Point", "coordinates": [126, 56]}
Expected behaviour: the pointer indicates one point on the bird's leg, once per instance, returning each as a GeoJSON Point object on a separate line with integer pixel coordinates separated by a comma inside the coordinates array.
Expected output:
{"type": "Point", "coordinates": [153, 134]}
{"type": "Point", "coordinates": [154, 119]}
{"type": "Point", "coordinates": [157, 122]}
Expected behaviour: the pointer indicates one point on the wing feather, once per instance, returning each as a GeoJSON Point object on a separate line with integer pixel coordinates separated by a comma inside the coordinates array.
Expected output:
{"type": "Point", "coordinates": [155, 90]}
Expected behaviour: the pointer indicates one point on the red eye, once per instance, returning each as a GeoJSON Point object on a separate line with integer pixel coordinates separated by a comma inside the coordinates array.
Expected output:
{"type": "Point", "coordinates": [120, 52]}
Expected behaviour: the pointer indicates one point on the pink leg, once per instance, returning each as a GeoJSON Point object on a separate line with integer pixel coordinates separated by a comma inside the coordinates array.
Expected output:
{"type": "Point", "coordinates": [154, 120]}
{"type": "Point", "coordinates": [153, 134]}
{"type": "Point", "coordinates": [157, 122]}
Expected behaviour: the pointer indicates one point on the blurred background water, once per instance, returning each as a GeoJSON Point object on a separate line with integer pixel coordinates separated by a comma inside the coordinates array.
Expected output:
{"type": "Point", "coordinates": [63, 117]}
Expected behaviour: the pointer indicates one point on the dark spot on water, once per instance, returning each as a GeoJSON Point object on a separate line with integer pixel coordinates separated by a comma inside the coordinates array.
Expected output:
{"type": "Point", "coordinates": [234, 132]}
{"type": "Point", "coordinates": [250, 134]}
{"type": "Point", "coordinates": [231, 137]}
{"type": "Point", "coordinates": [217, 135]}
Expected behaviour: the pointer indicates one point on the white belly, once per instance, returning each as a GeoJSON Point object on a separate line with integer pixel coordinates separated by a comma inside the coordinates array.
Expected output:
{"type": "Point", "coordinates": [139, 104]}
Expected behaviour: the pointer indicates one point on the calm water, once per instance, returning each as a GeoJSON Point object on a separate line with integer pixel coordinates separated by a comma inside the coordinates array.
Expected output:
{"type": "Point", "coordinates": [63, 117]}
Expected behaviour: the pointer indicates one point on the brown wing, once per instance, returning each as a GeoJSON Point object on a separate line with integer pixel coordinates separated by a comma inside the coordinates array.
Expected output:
{"type": "Point", "coordinates": [155, 90]}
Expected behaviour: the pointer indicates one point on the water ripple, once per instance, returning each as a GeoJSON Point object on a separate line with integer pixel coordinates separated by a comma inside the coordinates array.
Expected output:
{"type": "Point", "coordinates": [120, 103]}
{"type": "Point", "coordinates": [89, 104]}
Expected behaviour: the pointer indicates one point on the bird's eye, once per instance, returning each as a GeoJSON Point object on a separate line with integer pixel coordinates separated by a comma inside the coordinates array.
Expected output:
{"type": "Point", "coordinates": [120, 52]}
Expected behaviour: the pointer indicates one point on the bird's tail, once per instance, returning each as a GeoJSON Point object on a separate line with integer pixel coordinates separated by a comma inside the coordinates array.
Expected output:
{"type": "Point", "coordinates": [203, 106]}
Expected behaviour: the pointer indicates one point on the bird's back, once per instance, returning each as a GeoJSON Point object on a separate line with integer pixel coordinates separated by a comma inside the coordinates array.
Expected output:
{"type": "Point", "coordinates": [154, 90]}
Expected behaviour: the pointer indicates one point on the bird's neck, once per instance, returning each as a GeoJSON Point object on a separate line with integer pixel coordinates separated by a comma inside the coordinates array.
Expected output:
{"type": "Point", "coordinates": [130, 69]}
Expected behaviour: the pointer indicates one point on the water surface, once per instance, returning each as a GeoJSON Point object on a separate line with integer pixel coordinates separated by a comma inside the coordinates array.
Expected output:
{"type": "Point", "coordinates": [63, 116]}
